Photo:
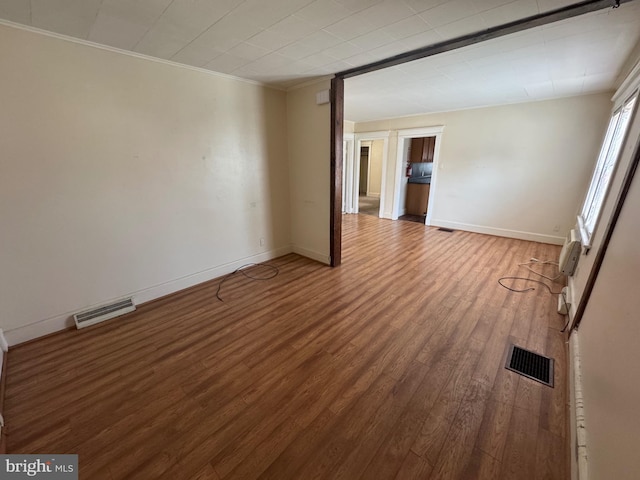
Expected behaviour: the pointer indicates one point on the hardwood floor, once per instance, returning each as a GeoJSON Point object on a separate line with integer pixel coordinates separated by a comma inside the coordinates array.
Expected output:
{"type": "Point", "coordinates": [387, 367]}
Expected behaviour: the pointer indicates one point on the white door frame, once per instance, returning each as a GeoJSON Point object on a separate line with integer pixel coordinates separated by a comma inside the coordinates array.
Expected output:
{"type": "Point", "coordinates": [405, 136]}
{"type": "Point", "coordinates": [359, 138]}
{"type": "Point", "coordinates": [347, 172]}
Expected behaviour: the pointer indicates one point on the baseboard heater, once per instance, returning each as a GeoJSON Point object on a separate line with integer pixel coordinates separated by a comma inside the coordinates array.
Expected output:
{"type": "Point", "coordinates": [103, 312]}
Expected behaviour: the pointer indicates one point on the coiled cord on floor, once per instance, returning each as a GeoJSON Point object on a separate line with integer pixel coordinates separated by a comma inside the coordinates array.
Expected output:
{"type": "Point", "coordinates": [274, 272]}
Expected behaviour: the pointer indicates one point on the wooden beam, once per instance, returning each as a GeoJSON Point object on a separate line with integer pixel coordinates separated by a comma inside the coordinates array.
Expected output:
{"type": "Point", "coordinates": [546, 18]}
{"type": "Point", "coordinates": [337, 127]}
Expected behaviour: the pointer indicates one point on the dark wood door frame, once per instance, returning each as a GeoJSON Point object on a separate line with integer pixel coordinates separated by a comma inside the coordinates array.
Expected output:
{"type": "Point", "coordinates": [337, 91]}
{"type": "Point", "coordinates": [337, 131]}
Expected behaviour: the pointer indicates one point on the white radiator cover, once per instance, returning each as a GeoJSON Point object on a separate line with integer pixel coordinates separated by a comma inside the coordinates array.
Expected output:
{"type": "Point", "coordinates": [103, 312]}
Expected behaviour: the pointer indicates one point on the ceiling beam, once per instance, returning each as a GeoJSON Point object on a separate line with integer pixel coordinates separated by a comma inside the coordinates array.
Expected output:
{"type": "Point", "coordinates": [546, 18]}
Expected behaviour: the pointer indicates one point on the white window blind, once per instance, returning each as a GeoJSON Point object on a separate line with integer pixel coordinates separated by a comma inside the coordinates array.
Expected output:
{"type": "Point", "coordinates": [605, 167]}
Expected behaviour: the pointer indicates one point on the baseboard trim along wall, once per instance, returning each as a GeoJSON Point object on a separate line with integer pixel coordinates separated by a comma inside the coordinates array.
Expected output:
{"type": "Point", "coordinates": [320, 257]}
{"type": "Point", "coordinates": [499, 232]}
{"type": "Point", "coordinates": [578, 423]}
{"type": "Point", "coordinates": [62, 321]}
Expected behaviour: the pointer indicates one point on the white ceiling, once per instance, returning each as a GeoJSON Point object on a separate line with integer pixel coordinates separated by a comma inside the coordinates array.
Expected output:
{"type": "Point", "coordinates": [287, 42]}
{"type": "Point", "coordinates": [573, 57]}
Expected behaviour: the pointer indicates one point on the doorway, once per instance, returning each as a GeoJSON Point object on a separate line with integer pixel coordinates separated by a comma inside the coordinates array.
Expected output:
{"type": "Point", "coordinates": [370, 180]}
{"type": "Point", "coordinates": [417, 165]}
{"type": "Point", "coordinates": [418, 172]}
{"type": "Point", "coordinates": [364, 175]}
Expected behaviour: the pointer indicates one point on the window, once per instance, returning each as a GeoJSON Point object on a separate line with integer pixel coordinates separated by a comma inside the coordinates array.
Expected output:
{"type": "Point", "coordinates": [604, 170]}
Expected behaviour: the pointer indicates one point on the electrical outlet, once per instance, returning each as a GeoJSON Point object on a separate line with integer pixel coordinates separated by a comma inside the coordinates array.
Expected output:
{"type": "Point", "coordinates": [262, 242]}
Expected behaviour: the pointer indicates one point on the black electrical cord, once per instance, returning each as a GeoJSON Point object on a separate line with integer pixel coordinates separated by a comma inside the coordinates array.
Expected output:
{"type": "Point", "coordinates": [274, 272]}
{"type": "Point", "coordinates": [533, 288]}
{"type": "Point", "coordinates": [525, 289]}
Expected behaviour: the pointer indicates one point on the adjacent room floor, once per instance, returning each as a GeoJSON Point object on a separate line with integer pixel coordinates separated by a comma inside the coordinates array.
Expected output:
{"type": "Point", "coordinates": [369, 205]}
{"type": "Point", "coordinates": [389, 366]}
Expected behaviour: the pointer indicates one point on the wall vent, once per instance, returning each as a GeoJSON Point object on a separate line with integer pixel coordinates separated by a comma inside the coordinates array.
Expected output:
{"type": "Point", "coordinates": [103, 312]}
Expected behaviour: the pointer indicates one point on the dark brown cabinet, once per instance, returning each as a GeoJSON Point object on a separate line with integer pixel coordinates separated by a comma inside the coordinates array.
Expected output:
{"type": "Point", "coordinates": [422, 149]}
{"type": "Point", "coordinates": [417, 198]}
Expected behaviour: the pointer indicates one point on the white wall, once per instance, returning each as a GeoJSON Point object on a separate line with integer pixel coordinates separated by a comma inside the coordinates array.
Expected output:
{"type": "Point", "coordinates": [610, 357]}
{"type": "Point", "coordinates": [516, 170]}
{"type": "Point", "coordinates": [121, 175]}
{"type": "Point", "coordinates": [309, 137]}
{"type": "Point", "coordinates": [609, 331]}
{"type": "Point", "coordinates": [375, 167]}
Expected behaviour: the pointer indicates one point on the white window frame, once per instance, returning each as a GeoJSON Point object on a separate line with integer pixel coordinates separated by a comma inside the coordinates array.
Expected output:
{"type": "Point", "coordinates": [605, 169]}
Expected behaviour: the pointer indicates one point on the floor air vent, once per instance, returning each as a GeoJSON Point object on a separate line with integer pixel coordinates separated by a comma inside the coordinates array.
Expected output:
{"type": "Point", "coordinates": [448, 230]}
{"type": "Point", "coordinates": [104, 312]}
{"type": "Point", "coordinates": [530, 364]}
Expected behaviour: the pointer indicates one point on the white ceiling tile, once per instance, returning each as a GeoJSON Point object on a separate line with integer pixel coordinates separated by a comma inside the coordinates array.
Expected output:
{"type": "Point", "coordinates": [448, 12]}
{"type": "Point", "coordinates": [568, 86]}
{"type": "Point", "coordinates": [297, 50]}
{"type": "Point", "coordinates": [323, 13]}
{"type": "Point", "coordinates": [509, 12]}
{"type": "Point", "coordinates": [218, 38]}
{"type": "Point", "coordinates": [122, 24]}
{"type": "Point", "coordinates": [270, 39]}
{"type": "Point", "coordinates": [116, 32]}
{"type": "Point", "coordinates": [225, 63]}
{"type": "Point", "coordinates": [321, 40]}
{"type": "Point", "coordinates": [599, 82]}
{"type": "Point", "coordinates": [293, 27]}
{"type": "Point", "coordinates": [359, 59]}
{"type": "Point", "coordinates": [421, 39]}
{"type": "Point", "coordinates": [69, 17]}
{"type": "Point", "coordinates": [181, 23]}
{"type": "Point", "coordinates": [318, 60]}
{"type": "Point", "coordinates": [407, 27]}
{"type": "Point", "coordinates": [372, 40]}
{"type": "Point", "coordinates": [343, 50]}
{"type": "Point", "coordinates": [197, 55]}
{"type": "Point", "coordinates": [247, 51]}
{"type": "Point", "coordinates": [388, 50]}
{"type": "Point", "coordinates": [16, 10]}
{"type": "Point", "coordinates": [295, 69]}
{"type": "Point", "coordinates": [265, 14]}
{"type": "Point", "coordinates": [488, 61]}
{"type": "Point", "coordinates": [349, 28]}
{"type": "Point", "coordinates": [269, 62]}
{"type": "Point", "coordinates": [336, 67]}
{"type": "Point", "coordinates": [422, 5]}
{"type": "Point", "coordinates": [357, 5]}
{"type": "Point", "coordinates": [462, 27]}
{"type": "Point", "coordinates": [548, 5]}
{"type": "Point", "coordinates": [385, 12]}
{"type": "Point", "coordinates": [483, 5]}
{"type": "Point", "coordinates": [540, 90]}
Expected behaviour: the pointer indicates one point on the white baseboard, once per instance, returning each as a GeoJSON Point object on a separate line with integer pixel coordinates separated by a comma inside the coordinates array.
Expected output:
{"type": "Point", "coordinates": [374, 195]}
{"type": "Point", "coordinates": [65, 320]}
{"type": "Point", "coordinates": [305, 252]}
{"type": "Point", "coordinates": [579, 467]}
{"type": "Point", "coordinates": [500, 232]}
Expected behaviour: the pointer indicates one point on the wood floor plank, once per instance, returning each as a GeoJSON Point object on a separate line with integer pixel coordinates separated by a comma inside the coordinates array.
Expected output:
{"type": "Point", "coordinates": [520, 451]}
{"type": "Point", "coordinates": [413, 468]}
{"type": "Point", "coordinates": [483, 467]}
{"type": "Point", "coordinates": [390, 366]}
